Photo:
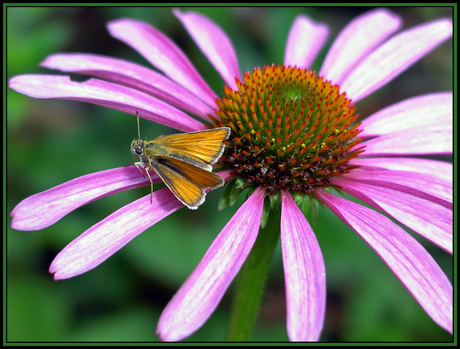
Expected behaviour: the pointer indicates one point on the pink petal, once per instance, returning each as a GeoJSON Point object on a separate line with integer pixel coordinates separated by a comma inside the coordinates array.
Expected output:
{"type": "Point", "coordinates": [304, 272]}
{"type": "Point", "coordinates": [214, 43]}
{"type": "Point", "coordinates": [43, 209]}
{"type": "Point", "coordinates": [436, 139]}
{"type": "Point", "coordinates": [356, 40]}
{"type": "Point", "coordinates": [408, 260]}
{"type": "Point", "coordinates": [131, 75]}
{"type": "Point", "coordinates": [106, 94]}
{"type": "Point", "coordinates": [108, 236]}
{"type": "Point", "coordinates": [226, 174]}
{"type": "Point", "coordinates": [199, 296]}
{"type": "Point", "coordinates": [162, 53]}
{"type": "Point", "coordinates": [305, 40]}
{"type": "Point", "coordinates": [393, 57]}
{"type": "Point", "coordinates": [427, 218]}
{"type": "Point", "coordinates": [425, 183]}
{"type": "Point", "coordinates": [427, 110]}
{"type": "Point", "coordinates": [431, 167]}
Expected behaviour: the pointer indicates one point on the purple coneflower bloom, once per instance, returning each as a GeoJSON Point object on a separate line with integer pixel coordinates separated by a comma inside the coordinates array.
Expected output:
{"type": "Point", "coordinates": [293, 132]}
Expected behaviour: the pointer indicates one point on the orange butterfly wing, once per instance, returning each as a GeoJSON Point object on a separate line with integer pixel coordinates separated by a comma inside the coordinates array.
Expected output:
{"type": "Point", "coordinates": [186, 181]}
{"type": "Point", "coordinates": [200, 148]}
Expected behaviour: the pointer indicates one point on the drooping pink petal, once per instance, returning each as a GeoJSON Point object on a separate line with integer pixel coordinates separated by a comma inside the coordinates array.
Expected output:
{"type": "Point", "coordinates": [108, 236]}
{"type": "Point", "coordinates": [162, 53]}
{"type": "Point", "coordinates": [226, 174]}
{"type": "Point", "coordinates": [426, 217]}
{"type": "Point", "coordinates": [43, 209]}
{"type": "Point", "coordinates": [131, 75]}
{"type": "Point", "coordinates": [393, 57]}
{"type": "Point", "coordinates": [199, 296]}
{"type": "Point", "coordinates": [305, 39]}
{"type": "Point", "coordinates": [431, 167]}
{"type": "Point", "coordinates": [436, 139]}
{"type": "Point", "coordinates": [356, 40]}
{"type": "Point", "coordinates": [408, 260]}
{"type": "Point", "coordinates": [425, 183]}
{"type": "Point", "coordinates": [106, 94]}
{"type": "Point", "coordinates": [426, 110]}
{"type": "Point", "coordinates": [304, 272]}
{"type": "Point", "coordinates": [214, 43]}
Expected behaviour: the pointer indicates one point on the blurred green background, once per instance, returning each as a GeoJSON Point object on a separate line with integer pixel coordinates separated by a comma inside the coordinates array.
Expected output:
{"type": "Point", "coordinates": [52, 141]}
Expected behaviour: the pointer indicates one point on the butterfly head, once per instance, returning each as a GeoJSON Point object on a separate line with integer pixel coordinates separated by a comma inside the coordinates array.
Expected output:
{"type": "Point", "coordinates": [137, 147]}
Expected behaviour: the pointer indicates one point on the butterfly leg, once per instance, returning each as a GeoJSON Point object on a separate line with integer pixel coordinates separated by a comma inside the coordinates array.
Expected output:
{"type": "Point", "coordinates": [140, 166]}
{"type": "Point", "coordinates": [151, 185]}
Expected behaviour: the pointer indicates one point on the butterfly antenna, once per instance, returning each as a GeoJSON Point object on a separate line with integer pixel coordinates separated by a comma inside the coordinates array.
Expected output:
{"type": "Point", "coordinates": [138, 127]}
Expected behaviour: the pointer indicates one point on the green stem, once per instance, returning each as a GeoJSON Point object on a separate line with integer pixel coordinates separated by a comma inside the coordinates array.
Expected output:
{"type": "Point", "coordinates": [251, 280]}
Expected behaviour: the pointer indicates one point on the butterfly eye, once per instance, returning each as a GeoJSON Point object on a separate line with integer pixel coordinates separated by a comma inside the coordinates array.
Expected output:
{"type": "Point", "coordinates": [139, 150]}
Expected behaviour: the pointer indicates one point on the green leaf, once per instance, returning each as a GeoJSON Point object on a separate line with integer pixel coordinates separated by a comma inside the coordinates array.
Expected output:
{"type": "Point", "coordinates": [265, 212]}
{"type": "Point", "coordinates": [275, 200]}
{"type": "Point", "coordinates": [225, 198]}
